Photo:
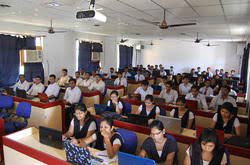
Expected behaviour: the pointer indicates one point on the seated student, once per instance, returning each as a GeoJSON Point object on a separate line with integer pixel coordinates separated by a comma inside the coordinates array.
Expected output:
{"type": "Point", "coordinates": [206, 90]}
{"type": "Point", "coordinates": [64, 78]}
{"type": "Point", "coordinates": [214, 86]}
{"type": "Point", "coordinates": [99, 71]}
{"type": "Point", "coordinates": [120, 80]}
{"type": "Point", "coordinates": [144, 90]}
{"type": "Point", "coordinates": [81, 126]}
{"type": "Point", "coordinates": [199, 82]}
{"type": "Point", "coordinates": [22, 84]}
{"type": "Point", "coordinates": [170, 95]}
{"type": "Point", "coordinates": [115, 104]}
{"type": "Point", "coordinates": [162, 72]}
{"type": "Point", "coordinates": [206, 151]}
{"type": "Point", "coordinates": [106, 139]}
{"type": "Point", "coordinates": [177, 80]}
{"type": "Point", "coordinates": [37, 87]}
{"type": "Point", "coordinates": [82, 73]}
{"type": "Point", "coordinates": [186, 115]}
{"type": "Point", "coordinates": [98, 84]}
{"type": "Point", "coordinates": [139, 76]}
{"type": "Point", "coordinates": [149, 109]}
{"type": "Point", "coordinates": [53, 89]}
{"type": "Point", "coordinates": [171, 71]}
{"type": "Point", "coordinates": [111, 73]}
{"type": "Point", "coordinates": [158, 147]}
{"type": "Point", "coordinates": [126, 74]}
{"type": "Point", "coordinates": [210, 73]}
{"type": "Point", "coordinates": [87, 81]}
{"type": "Point", "coordinates": [192, 73]}
{"type": "Point", "coordinates": [72, 93]}
{"type": "Point", "coordinates": [164, 79]}
{"type": "Point", "coordinates": [185, 87]}
{"type": "Point", "coordinates": [93, 74]}
{"type": "Point", "coordinates": [195, 95]}
{"type": "Point", "coordinates": [222, 98]}
{"type": "Point", "coordinates": [226, 120]}
{"type": "Point", "coordinates": [198, 71]}
{"type": "Point", "coordinates": [78, 78]}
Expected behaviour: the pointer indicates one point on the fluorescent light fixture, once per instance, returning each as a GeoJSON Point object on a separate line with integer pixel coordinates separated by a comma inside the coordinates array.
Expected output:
{"type": "Point", "coordinates": [53, 4]}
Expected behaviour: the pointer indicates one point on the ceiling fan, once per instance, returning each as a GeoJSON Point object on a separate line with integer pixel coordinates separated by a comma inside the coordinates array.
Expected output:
{"type": "Point", "coordinates": [197, 40]}
{"type": "Point", "coordinates": [123, 40]}
{"type": "Point", "coordinates": [209, 45]}
{"type": "Point", "coordinates": [51, 29]}
{"type": "Point", "coordinates": [151, 43]}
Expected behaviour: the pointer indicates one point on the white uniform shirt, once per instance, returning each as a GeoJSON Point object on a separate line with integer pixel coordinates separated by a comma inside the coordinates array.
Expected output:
{"type": "Point", "coordinates": [207, 91]}
{"type": "Point", "coordinates": [202, 103]}
{"type": "Point", "coordinates": [236, 121]}
{"type": "Point", "coordinates": [100, 86]}
{"type": "Point", "coordinates": [23, 86]}
{"type": "Point", "coordinates": [79, 81]}
{"type": "Point", "coordinates": [163, 73]}
{"type": "Point", "coordinates": [122, 81]}
{"type": "Point", "coordinates": [63, 80]}
{"type": "Point", "coordinates": [35, 89]}
{"type": "Point", "coordinates": [72, 95]}
{"type": "Point", "coordinates": [143, 93]}
{"type": "Point", "coordinates": [218, 100]}
{"type": "Point", "coordinates": [140, 77]}
{"type": "Point", "coordinates": [157, 110]}
{"type": "Point", "coordinates": [185, 88]}
{"type": "Point", "coordinates": [190, 116]}
{"type": "Point", "coordinates": [52, 89]}
{"type": "Point", "coordinates": [126, 75]}
{"type": "Point", "coordinates": [169, 97]}
{"type": "Point", "coordinates": [86, 83]}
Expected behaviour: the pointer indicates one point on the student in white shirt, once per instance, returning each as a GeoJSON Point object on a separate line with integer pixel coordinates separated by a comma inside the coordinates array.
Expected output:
{"type": "Point", "coordinates": [171, 70]}
{"type": "Point", "coordinates": [126, 74]}
{"type": "Point", "coordinates": [72, 94]}
{"type": "Point", "coordinates": [195, 95]}
{"type": "Point", "coordinates": [78, 78]}
{"type": "Point", "coordinates": [111, 73]}
{"type": "Point", "coordinates": [82, 73]}
{"type": "Point", "coordinates": [170, 95]}
{"type": "Point", "coordinates": [53, 89]}
{"type": "Point", "coordinates": [37, 87]}
{"type": "Point", "coordinates": [144, 90]}
{"type": "Point", "coordinates": [93, 74]}
{"type": "Point", "coordinates": [120, 81]}
{"type": "Point", "coordinates": [64, 78]}
{"type": "Point", "coordinates": [22, 84]}
{"type": "Point", "coordinates": [99, 71]}
{"type": "Point", "coordinates": [139, 76]}
{"type": "Point", "coordinates": [87, 81]}
{"type": "Point", "coordinates": [210, 73]}
{"type": "Point", "coordinates": [162, 72]}
{"type": "Point", "coordinates": [185, 87]}
{"type": "Point", "coordinates": [207, 90]}
{"type": "Point", "coordinates": [98, 85]}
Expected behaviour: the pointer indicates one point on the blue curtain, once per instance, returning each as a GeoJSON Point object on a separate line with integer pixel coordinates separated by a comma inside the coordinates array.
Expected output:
{"type": "Point", "coordinates": [96, 47]}
{"type": "Point", "coordinates": [30, 43]}
{"type": "Point", "coordinates": [31, 70]}
{"type": "Point", "coordinates": [126, 56]}
{"type": "Point", "coordinates": [130, 55]}
{"type": "Point", "coordinates": [84, 59]}
{"type": "Point", "coordinates": [244, 66]}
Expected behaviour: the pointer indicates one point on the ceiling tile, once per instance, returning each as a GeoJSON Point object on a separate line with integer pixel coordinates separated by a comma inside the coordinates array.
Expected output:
{"type": "Point", "coordinates": [207, 11]}
{"type": "Point", "coordinates": [234, 1]}
{"type": "Point", "coordinates": [183, 12]}
{"type": "Point", "coordinates": [237, 9]}
{"type": "Point", "coordinates": [172, 3]}
{"type": "Point", "coordinates": [203, 2]}
{"type": "Point", "coordinates": [141, 4]}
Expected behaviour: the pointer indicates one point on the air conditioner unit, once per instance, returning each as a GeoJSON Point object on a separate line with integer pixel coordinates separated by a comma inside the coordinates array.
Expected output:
{"type": "Point", "coordinates": [95, 56]}
{"type": "Point", "coordinates": [33, 56]}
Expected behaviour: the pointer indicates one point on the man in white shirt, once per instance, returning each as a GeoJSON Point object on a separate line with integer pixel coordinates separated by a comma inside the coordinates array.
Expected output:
{"type": "Point", "coordinates": [93, 74]}
{"type": "Point", "coordinates": [162, 72]}
{"type": "Point", "coordinates": [87, 81]}
{"type": "Point", "coordinates": [72, 93]}
{"type": "Point", "coordinates": [185, 87]}
{"type": "Point", "coordinates": [22, 83]}
{"type": "Point", "coordinates": [170, 95]}
{"type": "Point", "coordinates": [222, 98]}
{"type": "Point", "coordinates": [120, 81]}
{"type": "Point", "coordinates": [195, 95]}
{"type": "Point", "coordinates": [53, 89]}
{"type": "Point", "coordinates": [210, 74]}
{"type": "Point", "coordinates": [82, 73]}
{"type": "Point", "coordinates": [139, 76]}
{"type": "Point", "coordinates": [144, 90]}
{"type": "Point", "coordinates": [37, 87]}
{"type": "Point", "coordinates": [64, 78]}
{"type": "Point", "coordinates": [111, 73]}
{"type": "Point", "coordinates": [98, 85]}
{"type": "Point", "coordinates": [78, 78]}
{"type": "Point", "coordinates": [207, 90]}
{"type": "Point", "coordinates": [126, 74]}
{"type": "Point", "coordinates": [171, 71]}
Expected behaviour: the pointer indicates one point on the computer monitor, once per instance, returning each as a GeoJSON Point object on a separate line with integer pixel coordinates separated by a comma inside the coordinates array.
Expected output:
{"type": "Point", "coordinates": [171, 124]}
{"type": "Point", "coordinates": [128, 159]}
{"type": "Point", "coordinates": [50, 137]}
{"type": "Point", "coordinates": [137, 119]}
{"type": "Point", "coordinates": [192, 104]}
{"type": "Point", "coordinates": [100, 108]}
{"type": "Point", "coordinates": [21, 93]}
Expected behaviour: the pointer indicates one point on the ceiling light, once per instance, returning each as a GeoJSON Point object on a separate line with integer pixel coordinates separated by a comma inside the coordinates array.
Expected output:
{"type": "Point", "coordinates": [53, 4]}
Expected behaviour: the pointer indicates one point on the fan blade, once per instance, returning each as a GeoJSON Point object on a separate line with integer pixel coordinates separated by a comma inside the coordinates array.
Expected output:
{"type": "Point", "coordinates": [184, 24]}
{"type": "Point", "coordinates": [41, 31]}
{"type": "Point", "coordinates": [60, 31]}
{"type": "Point", "coordinates": [149, 22]}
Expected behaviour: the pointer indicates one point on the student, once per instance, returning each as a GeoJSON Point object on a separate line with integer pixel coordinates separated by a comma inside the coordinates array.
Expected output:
{"type": "Point", "coordinates": [81, 126]}
{"type": "Point", "coordinates": [210, 73]}
{"type": "Point", "coordinates": [192, 73]}
{"type": "Point", "coordinates": [214, 86]}
{"type": "Point", "coordinates": [93, 74]}
{"type": "Point", "coordinates": [170, 95]}
{"type": "Point", "coordinates": [37, 87]}
{"type": "Point", "coordinates": [222, 98]}
{"type": "Point", "coordinates": [200, 98]}
{"type": "Point", "coordinates": [72, 94]}
{"type": "Point", "coordinates": [87, 81]}
{"type": "Point", "coordinates": [99, 71]}
{"type": "Point", "coordinates": [115, 104]}
{"type": "Point", "coordinates": [22, 84]}
{"type": "Point", "coordinates": [206, 151]}
{"type": "Point", "coordinates": [144, 90]}
{"type": "Point", "coordinates": [111, 73]}
{"type": "Point", "coordinates": [164, 79]}
{"type": "Point", "coordinates": [199, 82]}
{"type": "Point", "coordinates": [139, 76]}
{"type": "Point", "coordinates": [226, 120]}
{"type": "Point", "coordinates": [198, 71]}
{"type": "Point", "coordinates": [149, 109]}
{"type": "Point", "coordinates": [177, 80]}
{"type": "Point", "coordinates": [98, 84]}
{"type": "Point", "coordinates": [78, 78]}
{"type": "Point", "coordinates": [120, 81]}
{"type": "Point", "coordinates": [207, 90]}
{"type": "Point", "coordinates": [186, 115]}
{"type": "Point", "coordinates": [185, 87]}
{"type": "Point", "coordinates": [158, 147]}
{"type": "Point", "coordinates": [106, 139]}
{"type": "Point", "coordinates": [162, 72]}
{"type": "Point", "coordinates": [126, 74]}
{"type": "Point", "coordinates": [171, 71]}
{"type": "Point", "coordinates": [53, 88]}
{"type": "Point", "coordinates": [64, 78]}
{"type": "Point", "coordinates": [82, 73]}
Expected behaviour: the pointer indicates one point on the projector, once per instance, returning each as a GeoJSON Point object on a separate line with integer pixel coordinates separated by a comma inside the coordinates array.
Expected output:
{"type": "Point", "coordinates": [91, 14]}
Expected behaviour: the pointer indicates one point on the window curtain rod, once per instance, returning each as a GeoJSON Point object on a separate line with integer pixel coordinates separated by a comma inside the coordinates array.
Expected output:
{"type": "Point", "coordinates": [20, 35]}
{"type": "Point", "coordinates": [90, 41]}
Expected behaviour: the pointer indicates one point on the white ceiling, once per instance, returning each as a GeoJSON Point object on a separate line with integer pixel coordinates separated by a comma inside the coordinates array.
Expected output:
{"type": "Point", "coordinates": [216, 19]}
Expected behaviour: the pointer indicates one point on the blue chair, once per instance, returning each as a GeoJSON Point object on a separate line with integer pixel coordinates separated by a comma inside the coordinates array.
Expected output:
{"type": "Point", "coordinates": [128, 108]}
{"type": "Point", "coordinates": [163, 112]}
{"type": "Point", "coordinates": [130, 140]}
{"type": "Point", "coordinates": [156, 87]}
{"type": "Point", "coordinates": [23, 110]}
{"type": "Point", "coordinates": [6, 102]}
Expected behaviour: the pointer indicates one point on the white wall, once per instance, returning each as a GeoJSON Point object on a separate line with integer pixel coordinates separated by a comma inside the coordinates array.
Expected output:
{"type": "Point", "coordinates": [186, 55]}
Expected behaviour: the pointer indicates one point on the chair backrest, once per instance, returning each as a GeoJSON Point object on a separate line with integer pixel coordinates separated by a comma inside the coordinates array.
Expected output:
{"type": "Point", "coordinates": [130, 140]}
{"type": "Point", "coordinates": [128, 108]}
{"type": "Point", "coordinates": [23, 110]}
{"type": "Point", "coordinates": [6, 102]}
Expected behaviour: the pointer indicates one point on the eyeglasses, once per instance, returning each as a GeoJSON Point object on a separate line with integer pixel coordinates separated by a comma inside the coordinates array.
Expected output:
{"type": "Point", "coordinates": [149, 103]}
{"type": "Point", "coordinates": [77, 114]}
{"type": "Point", "coordinates": [155, 134]}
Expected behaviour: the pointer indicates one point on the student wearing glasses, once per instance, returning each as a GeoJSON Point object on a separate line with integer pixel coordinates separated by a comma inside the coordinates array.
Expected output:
{"type": "Point", "coordinates": [115, 104]}
{"type": "Point", "coordinates": [149, 109]}
{"type": "Point", "coordinates": [81, 126]}
{"type": "Point", "coordinates": [158, 146]}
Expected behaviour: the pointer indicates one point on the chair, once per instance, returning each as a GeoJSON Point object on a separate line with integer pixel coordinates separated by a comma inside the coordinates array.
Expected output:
{"type": "Point", "coordinates": [6, 102]}
{"type": "Point", "coordinates": [130, 140]}
{"type": "Point", "coordinates": [128, 108]}
{"type": "Point", "coordinates": [23, 110]}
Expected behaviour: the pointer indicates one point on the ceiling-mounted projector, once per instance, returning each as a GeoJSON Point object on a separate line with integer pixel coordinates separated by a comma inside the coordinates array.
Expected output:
{"type": "Point", "coordinates": [91, 14]}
